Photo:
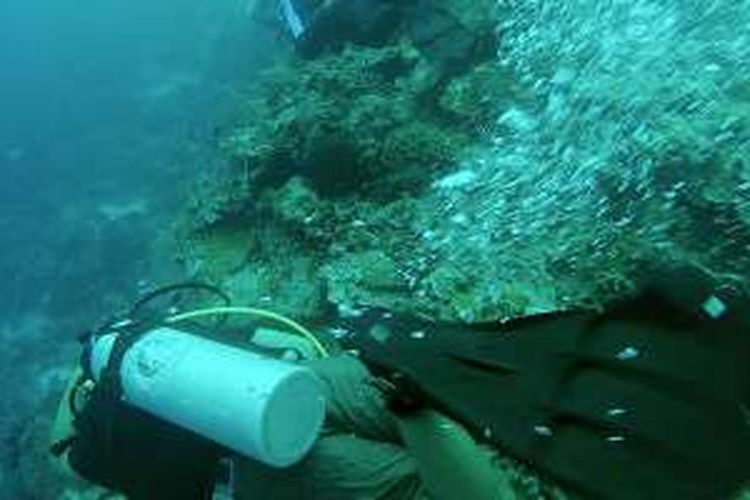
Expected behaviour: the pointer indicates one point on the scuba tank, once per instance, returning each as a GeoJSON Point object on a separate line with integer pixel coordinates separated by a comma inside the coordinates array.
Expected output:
{"type": "Point", "coordinates": [259, 407]}
{"type": "Point", "coordinates": [157, 405]}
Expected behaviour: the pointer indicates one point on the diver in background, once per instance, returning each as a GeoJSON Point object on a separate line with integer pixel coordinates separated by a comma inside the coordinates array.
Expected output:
{"type": "Point", "coordinates": [318, 27]}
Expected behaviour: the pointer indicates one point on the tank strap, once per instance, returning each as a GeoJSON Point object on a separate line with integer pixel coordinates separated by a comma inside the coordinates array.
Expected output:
{"type": "Point", "coordinates": [108, 390]}
{"type": "Point", "coordinates": [111, 382]}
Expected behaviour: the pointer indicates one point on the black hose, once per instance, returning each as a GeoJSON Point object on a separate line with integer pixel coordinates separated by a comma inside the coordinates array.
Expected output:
{"type": "Point", "coordinates": [150, 296]}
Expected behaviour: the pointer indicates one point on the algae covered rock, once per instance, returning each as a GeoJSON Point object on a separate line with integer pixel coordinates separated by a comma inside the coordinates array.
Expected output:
{"type": "Point", "coordinates": [473, 294]}
{"type": "Point", "coordinates": [214, 251]}
{"type": "Point", "coordinates": [295, 203]}
{"type": "Point", "coordinates": [370, 277]}
{"type": "Point", "coordinates": [216, 197]}
{"type": "Point", "coordinates": [478, 96]}
{"type": "Point", "coordinates": [345, 121]}
{"type": "Point", "coordinates": [289, 285]}
{"type": "Point", "coordinates": [538, 179]}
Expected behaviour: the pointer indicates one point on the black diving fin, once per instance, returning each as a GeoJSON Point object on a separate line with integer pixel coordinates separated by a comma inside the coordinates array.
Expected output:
{"type": "Point", "coordinates": [645, 400]}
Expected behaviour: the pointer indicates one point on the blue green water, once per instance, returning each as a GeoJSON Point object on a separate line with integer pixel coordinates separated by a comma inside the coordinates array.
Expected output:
{"type": "Point", "coordinates": [106, 107]}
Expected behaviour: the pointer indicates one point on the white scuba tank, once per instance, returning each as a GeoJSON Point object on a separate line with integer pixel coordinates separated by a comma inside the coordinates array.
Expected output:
{"type": "Point", "coordinates": [262, 408]}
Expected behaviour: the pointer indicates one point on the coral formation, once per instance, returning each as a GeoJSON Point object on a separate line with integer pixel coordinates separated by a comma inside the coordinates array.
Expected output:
{"type": "Point", "coordinates": [509, 188]}
{"type": "Point", "coordinates": [346, 119]}
{"type": "Point", "coordinates": [592, 149]}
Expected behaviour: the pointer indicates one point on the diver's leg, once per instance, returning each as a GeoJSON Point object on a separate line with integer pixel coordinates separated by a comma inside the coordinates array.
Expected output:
{"type": "Point", "coordinates": [339, 466]}
{"type": "Point", "coordinates": [450, 462]}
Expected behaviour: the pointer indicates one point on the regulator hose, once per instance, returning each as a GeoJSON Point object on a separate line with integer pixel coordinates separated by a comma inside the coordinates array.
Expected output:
{"type": "Point", "coordinates": [288, 323]}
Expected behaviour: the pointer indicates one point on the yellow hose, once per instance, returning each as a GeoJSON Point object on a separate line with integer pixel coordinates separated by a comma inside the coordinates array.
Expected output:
{"type": "Point", "coordinates": [257, 313]}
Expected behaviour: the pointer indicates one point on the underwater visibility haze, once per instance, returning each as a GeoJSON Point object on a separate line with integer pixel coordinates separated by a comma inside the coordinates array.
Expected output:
{"type": "Point", "coordinates": [472, 161]}
{"type": "Point", "coordinates": [106, 107]}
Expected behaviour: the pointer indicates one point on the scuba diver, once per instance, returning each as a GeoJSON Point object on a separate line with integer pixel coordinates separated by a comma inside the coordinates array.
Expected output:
{"type": "Point", "coordinates": [317, 27]}
{"type": "Point", "coordinates": [645, 399]}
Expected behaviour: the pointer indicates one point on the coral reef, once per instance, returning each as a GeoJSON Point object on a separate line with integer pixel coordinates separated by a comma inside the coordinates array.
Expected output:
{"type": "Point", "coordinates": [327, 159]}
{"type": "Point", "coordinates": [595, 147]}
{"type": "Point", "coordinates": [547, 177]}
{"type": "Point", "coordinates": [347, 119]}
{"type": "Point", "coordinates": [512, 187]}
